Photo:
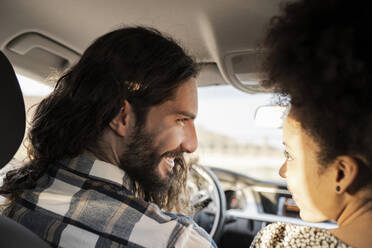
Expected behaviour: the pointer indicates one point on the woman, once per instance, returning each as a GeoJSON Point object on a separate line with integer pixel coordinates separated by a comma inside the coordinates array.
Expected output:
{"type": "Point", "coordinates": [319, 60]}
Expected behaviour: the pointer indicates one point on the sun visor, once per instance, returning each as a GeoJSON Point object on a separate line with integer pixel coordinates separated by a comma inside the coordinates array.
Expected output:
{"type": "Point", "coordinates": [242, 70]}
{"type": "Point", "coordinates": [37, 56]}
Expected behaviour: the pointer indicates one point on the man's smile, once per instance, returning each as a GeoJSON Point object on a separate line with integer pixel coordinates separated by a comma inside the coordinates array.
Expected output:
{"type": "Point", "coordinates": [170, 162]}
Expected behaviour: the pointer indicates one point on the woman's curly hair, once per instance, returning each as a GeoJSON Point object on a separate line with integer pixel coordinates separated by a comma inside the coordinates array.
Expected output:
{"type": "Point", "coordinates": [319, 58]}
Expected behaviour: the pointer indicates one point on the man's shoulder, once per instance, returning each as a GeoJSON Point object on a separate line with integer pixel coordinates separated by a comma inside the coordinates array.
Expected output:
{"type": "Point", "coordinates": [106, 213]}
{"type": "Point", "coordinates": [185, 233]}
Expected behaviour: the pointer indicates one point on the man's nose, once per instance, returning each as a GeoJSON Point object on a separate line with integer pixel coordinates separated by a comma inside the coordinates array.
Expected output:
{"type": "Point", "coordinates": [190, 141]}
{"type": "Point", "coordinates": [283, 170]}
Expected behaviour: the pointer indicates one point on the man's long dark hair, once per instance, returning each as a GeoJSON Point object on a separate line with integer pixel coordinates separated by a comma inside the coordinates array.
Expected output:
{"type": "Point", "coordinates": [136, 64]}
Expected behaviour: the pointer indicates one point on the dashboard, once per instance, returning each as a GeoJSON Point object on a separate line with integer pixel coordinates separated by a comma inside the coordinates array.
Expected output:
{"type": "Point", "coordinates": [252, 204]}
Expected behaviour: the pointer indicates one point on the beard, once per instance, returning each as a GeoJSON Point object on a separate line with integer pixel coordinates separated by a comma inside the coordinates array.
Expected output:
{"type": "Point", "coordinates": [141, 162]}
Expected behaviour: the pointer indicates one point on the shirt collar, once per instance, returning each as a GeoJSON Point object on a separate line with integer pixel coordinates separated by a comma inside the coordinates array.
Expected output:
{"type": "Point", "coordinates": [100, 170]}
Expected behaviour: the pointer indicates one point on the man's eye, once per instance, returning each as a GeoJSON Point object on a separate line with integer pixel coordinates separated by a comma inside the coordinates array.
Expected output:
{"type": "Point", "coordinates": [288, 157]}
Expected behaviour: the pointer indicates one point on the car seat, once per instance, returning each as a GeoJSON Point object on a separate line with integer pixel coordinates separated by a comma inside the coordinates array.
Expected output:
{"type": "Point", "coordinates": [12, 129]}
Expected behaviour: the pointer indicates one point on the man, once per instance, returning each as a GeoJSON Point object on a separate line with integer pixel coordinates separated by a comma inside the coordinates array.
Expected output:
{"type": "Point", "coordinates": [106, 149]}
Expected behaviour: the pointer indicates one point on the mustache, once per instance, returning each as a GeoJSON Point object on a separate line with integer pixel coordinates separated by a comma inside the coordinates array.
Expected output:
{"type": "Point", "coordinates": [174, 153]}
{"type": "Point", "coordinates": [178, 158]}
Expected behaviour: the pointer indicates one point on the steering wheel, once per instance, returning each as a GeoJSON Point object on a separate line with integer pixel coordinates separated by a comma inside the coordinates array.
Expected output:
{"type": "Point", "coordinates": [208, 199]}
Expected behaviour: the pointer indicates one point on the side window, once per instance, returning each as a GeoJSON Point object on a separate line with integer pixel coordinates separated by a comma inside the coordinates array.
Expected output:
{"type": "Point", "coordinates": [33, 92]}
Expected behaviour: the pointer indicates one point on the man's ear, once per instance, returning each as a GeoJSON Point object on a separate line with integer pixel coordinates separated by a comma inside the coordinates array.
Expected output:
{"type": "Point", "coordinates": [347, 171]}
{"type": "Point", "coordinates": [121, 124]}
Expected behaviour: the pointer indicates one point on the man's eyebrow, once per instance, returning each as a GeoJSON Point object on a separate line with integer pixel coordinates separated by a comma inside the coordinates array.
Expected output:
{"type": "Point", "coordinates": [188, 114]}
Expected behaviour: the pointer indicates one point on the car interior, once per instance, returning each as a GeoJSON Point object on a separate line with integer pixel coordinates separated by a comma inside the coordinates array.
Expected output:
{"type": "Point", "coordinates": [238, 193]}
{"type": "Point", "coordinates": [11, 132]}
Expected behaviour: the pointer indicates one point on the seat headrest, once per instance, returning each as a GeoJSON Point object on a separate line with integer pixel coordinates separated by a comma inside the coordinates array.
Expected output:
{"type": "Point", "coordinates": [12, 112]}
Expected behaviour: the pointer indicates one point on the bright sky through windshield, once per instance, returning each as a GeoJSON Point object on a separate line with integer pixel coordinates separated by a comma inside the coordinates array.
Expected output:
{"type": "Point", "coordinates": [228, 111]}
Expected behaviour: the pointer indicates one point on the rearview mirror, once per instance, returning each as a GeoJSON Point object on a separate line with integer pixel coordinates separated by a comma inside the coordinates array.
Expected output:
{"type": "Point", "coordinates": [270, 116]}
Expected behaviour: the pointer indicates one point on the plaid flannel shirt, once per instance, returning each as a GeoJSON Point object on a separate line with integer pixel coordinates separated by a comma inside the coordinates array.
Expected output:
{"type": "Point", "coordinates": [83, 202]}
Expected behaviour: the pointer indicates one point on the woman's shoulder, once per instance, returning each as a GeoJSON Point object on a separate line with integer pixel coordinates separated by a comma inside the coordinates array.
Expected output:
{"type": "Point", "coordinates": [290, 235]}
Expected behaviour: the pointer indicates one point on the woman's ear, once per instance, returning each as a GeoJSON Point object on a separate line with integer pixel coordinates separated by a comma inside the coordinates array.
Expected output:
{"type": "Point", "coordinates": [121, 124]}
{"type": "Point", "coordinates": [347, 171]}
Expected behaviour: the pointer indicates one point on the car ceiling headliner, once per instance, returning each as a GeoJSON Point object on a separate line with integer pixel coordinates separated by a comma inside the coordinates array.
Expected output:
{"type": "Point", "coordinates": [208, 29]}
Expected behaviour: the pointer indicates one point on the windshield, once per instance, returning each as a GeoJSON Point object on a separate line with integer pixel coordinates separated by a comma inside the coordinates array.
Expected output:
{"type": "Point", "coordinates": [230, 139]}
{"type": "Point", "coordinates": [227, 134]}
